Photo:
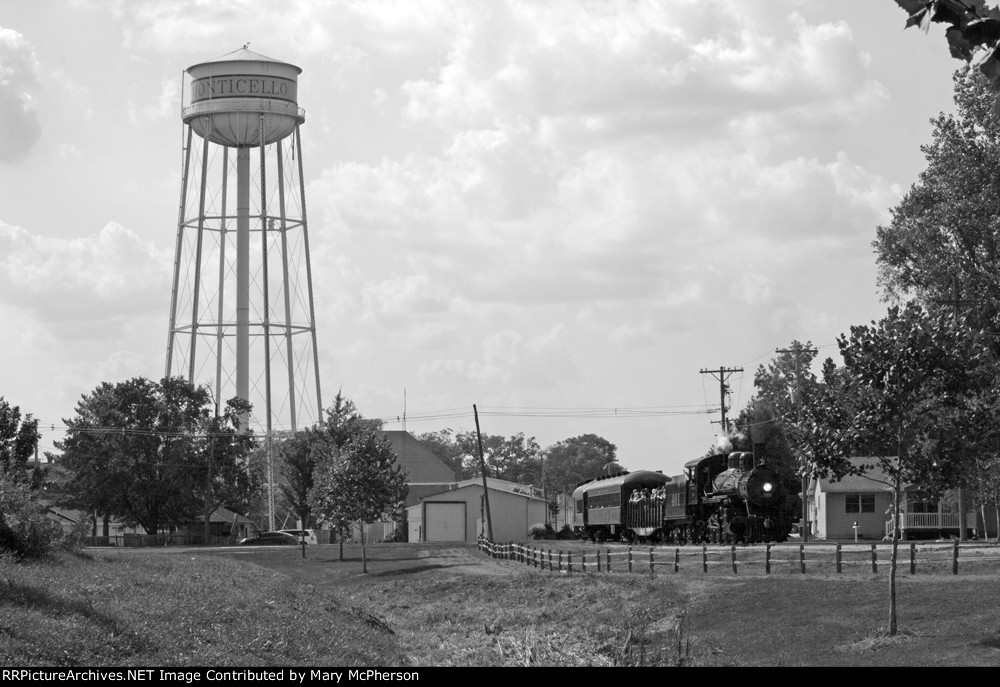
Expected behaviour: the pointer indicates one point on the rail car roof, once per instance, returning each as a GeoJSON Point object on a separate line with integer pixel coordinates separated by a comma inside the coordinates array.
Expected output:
{"type": "Point", "coordinates": [691, 464]}
{"type": "Point", "coordinates": [622, 478]}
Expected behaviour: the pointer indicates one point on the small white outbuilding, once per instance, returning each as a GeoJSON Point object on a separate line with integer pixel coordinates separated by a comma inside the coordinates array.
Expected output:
{"type": "Point", "coordinates": [459, 514]}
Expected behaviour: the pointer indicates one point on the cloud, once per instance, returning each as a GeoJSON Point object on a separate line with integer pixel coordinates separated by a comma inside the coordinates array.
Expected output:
{"type": "Point", "coordinates": [86, 287]}
{"type": "Point", "coordinates": [166, 105]}
{"type": "Point", "coordinates": [19, 83]}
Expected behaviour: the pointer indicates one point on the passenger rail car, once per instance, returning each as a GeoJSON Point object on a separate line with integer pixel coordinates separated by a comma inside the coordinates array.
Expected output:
{"type": "Point", "coordinates": [601, 505]}
{"type": "Point", "coordinates": [719, 498]}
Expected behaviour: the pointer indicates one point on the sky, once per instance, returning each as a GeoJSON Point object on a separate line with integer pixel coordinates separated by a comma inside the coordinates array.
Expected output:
{"type": "Point", "coordinates": [559, 211]}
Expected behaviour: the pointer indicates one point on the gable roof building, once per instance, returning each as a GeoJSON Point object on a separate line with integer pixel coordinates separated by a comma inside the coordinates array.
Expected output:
{"type": "Point", "coordinates": [862, 505]}
{"type": "Point", "coordinates": [426, 474]}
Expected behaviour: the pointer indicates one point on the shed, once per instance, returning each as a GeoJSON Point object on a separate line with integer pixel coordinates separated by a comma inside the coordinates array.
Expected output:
{"type": "Point", "coordinates": [458, 514]}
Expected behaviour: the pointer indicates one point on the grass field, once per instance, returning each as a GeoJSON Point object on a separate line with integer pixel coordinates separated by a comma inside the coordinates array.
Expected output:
{"type": "Point", "coordinates": [436, 605]}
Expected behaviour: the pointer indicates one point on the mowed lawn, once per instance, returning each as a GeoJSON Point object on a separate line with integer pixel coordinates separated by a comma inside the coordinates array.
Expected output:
{"type": "Point", "coordinates": [439, 605]}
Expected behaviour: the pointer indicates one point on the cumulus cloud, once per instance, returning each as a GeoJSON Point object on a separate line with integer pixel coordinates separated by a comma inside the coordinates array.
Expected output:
{"type": "Point", "coordinates": [165, 106]}
{"type": "Point", "coordinates": [19, 83]}
{"type": "Point", "coordinates": [596, 151]}
{"type": "Point", "coordinates": [84, 285]}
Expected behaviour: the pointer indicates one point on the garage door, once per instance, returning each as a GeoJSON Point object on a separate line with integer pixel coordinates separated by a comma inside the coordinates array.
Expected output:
{"type": "Point", "coordinates": [445, 522]}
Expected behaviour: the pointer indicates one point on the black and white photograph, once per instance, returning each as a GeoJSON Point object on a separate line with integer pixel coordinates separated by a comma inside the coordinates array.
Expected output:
{"type": "Point", "coordinates": [357, 340]}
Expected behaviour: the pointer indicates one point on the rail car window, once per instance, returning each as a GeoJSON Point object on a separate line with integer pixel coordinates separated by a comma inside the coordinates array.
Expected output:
{"type": "Point", "coordinates": [859, 503]}
{"type": "Point", "coordinates": [604, 500]}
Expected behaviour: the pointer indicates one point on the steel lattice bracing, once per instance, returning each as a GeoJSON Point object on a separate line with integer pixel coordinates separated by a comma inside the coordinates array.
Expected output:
{"type": "Point", "coordinates": [281, 372]}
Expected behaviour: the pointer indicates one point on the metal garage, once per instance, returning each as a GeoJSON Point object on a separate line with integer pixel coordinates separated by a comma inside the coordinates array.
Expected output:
{"type": "Point", "coordinates": [458, 513]}
{"type": "Point", "coordinates": [444, 521]}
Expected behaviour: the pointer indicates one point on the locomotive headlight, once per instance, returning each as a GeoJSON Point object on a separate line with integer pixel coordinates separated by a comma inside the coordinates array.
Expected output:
{"type": "Point", "coordinates": [768, 487]}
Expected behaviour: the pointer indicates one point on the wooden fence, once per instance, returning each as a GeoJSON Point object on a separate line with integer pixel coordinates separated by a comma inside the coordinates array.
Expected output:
{"type": "Point", "coordinates": [767, 559]}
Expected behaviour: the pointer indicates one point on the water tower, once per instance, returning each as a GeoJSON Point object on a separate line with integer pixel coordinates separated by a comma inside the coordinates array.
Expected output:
{"type": "Point", "coordinates": [242, 318]}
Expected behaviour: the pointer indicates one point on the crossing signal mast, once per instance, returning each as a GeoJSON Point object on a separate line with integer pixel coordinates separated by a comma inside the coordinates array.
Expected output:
{"type": "Point", "coordinates": [242, 134]}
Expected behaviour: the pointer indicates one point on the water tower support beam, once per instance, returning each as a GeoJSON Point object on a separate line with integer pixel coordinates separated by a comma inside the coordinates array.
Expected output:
{"type": "Point", "coordinates": [309, 278]}
{"type": "Point", "coordinates": [284, 276]}
{"type": "Point", "coordinates": [222, 277]}
{"type": "Point", "coordinates": [177, 255]}
{"type": "Point", "coordinates": [197, 262]}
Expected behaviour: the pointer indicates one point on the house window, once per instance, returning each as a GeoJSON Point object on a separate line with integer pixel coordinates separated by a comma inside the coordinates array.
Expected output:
{"type": "Point", "coordinates": [859, 503]}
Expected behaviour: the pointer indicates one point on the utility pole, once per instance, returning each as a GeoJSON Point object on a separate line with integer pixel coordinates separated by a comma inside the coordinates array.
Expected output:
{"type": "Point", "coordinates": [482, 466]}
{"type": "Point", "coordinates": [722, 374]}
{"type": "Point", "coordinates": [956, 302]}
{"type": "Point", "coordinates": [797, 352]}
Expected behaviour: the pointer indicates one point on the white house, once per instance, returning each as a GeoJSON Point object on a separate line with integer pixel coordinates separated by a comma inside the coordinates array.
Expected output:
{"type": "Point", "coordinates": [835, 507]}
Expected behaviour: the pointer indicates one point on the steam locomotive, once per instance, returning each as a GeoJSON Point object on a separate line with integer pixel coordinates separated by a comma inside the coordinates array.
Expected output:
{"type": "Point", "coordinates": [719, 498]}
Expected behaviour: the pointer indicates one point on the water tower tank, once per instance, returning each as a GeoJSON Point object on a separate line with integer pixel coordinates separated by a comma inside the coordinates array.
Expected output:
{"type": "Point", "coordinates": [230, 93]}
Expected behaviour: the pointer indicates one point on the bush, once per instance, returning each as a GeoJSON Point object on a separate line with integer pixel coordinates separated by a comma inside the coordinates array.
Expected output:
{"type": "Point", "coordinates": [567, 532]}
{"type": "Point", "coordinates": [541, 530]}
{"type": "Point", "coordinates": [25, 531]}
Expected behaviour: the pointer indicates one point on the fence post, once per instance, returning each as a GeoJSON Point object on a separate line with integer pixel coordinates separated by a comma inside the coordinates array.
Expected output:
{"type": "Point", "coordinates": [704, 558]}
{"type": "Point", "coordinates": [583, 561]}
{"type": "Point", "coordinates": [767, 560]}
{"type": "Point", "coordinates": [954, 558]}
{"type": "Point", "coordinates": [598, 560]}
{"type": "Point", "coordinates": [560, 561]}
{"type": "Point", "coordinates": [839, 567]}
{"type": "Point", "coordinates": [677, 560]}
{"type": "Point", "coordinates": [569, 561]}
{"type": "Point", "coordinates": [607, 560]}
{"type": "Point", "coordinates": [732, 555]}
{"type": "Point", "coordinates": [802, 558]}
{"type": "Point", "coordinates": [630, 559]}
{"type": "Point", "coordinates": [650, 560]}
{"type": "Point", "coordinates": [913, 559]}
{"type": "Point", "coordinates": [874, 560]}
{"type": "Point", "coordinates": [550, 560]}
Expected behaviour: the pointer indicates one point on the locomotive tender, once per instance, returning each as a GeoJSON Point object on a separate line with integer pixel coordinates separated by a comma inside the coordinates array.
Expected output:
{"type": "Point", "coordinates": [719, 498]}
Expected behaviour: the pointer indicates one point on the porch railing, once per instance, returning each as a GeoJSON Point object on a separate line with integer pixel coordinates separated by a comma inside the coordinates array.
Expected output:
{"type": "Point", "coordinates": [931, 521]}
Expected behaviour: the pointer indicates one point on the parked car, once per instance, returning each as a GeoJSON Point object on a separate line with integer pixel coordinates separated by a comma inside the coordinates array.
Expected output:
{"type": "Point", "coordinates": [310, 535]}
{"type": "Point", "coordinates": [270, 539]}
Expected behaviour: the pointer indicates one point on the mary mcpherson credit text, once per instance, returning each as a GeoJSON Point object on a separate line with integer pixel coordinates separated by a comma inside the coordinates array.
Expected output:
{"type": "Point", "coordinates": [283, 675]}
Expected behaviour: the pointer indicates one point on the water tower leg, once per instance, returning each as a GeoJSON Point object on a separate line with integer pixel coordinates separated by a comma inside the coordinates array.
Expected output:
{"type": "Point", "coordinates": [177, 258]}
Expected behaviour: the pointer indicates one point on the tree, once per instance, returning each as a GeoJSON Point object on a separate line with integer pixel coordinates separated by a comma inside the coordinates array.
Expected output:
{"type": "Point", "coordinates": [232, 480]}
{"type": "Point", "coordinates": [360, 483]}
{"type": "Point", "coordinates": [299, 456]}
{"type": "Point", "coordinates": [18, 439]}
{"type": "Point", "coordinates": [516, 458]}
{"type": "Point", "coordinates": [571, 461]}
{"type": "Point", "coordinates": [343, 421]}
{"type": "Point", "coordinates": [972, 26]}
{"type": "Point", "coordinates": [913, 397]}
{"type": "Point", "coordinates": [24, 528]}
{"type": "Point", "coordinates": [768, 422]}
{"type": "Point", "coordinates": [139, 450]}
{"type": "Point", "coordinates": [946, 229]}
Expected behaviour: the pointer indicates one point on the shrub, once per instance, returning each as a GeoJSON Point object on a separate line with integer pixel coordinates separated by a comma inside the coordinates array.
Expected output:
{"type": "Point", "coordinates": [25, 531]}
{"type": "Point", "coordinates": [541, 530]}
{"type": "Point", "coordinates": [566, 532]}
